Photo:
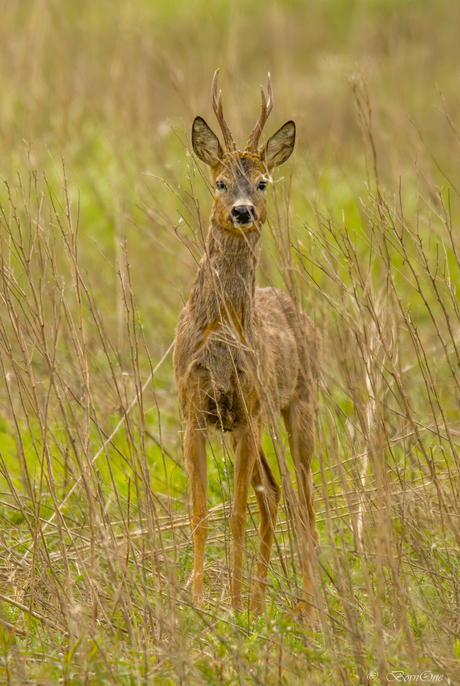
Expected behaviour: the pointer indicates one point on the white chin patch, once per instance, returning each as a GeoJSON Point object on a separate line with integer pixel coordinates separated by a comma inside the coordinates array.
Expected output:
{"type": "Point", "coordinates": [239, 225]}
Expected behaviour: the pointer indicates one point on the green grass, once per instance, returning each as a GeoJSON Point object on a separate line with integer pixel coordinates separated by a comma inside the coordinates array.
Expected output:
{"type": "Point", "coordinates": [96, 260]}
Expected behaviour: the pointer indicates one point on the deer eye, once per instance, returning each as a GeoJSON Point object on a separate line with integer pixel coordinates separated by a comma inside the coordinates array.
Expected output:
{"type": "Point", "coordinates": [262, 186]}
{"type": "Point", "coordinates": [220, 185]}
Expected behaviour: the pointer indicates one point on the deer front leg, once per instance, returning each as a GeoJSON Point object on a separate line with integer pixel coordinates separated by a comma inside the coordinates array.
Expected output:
{"type": "Point", "coordinates": [195, 455]}
{"type": "Point", "coordinates": [247, 446]}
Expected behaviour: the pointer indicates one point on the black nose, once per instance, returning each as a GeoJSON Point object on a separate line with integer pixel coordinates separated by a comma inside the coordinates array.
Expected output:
{"type": "Point", "coordinates": [244, 214]}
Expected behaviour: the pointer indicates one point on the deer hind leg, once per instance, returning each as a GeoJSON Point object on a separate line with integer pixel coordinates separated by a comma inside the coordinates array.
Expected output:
{"type": "Point", "coordinates": [268, 495]}
{"type": "Point", "coordinates": [247, 442]}
{"type": "Point", "coordinates": [195, 455]}
{"type": "Point", "coordinates": [299, 422]}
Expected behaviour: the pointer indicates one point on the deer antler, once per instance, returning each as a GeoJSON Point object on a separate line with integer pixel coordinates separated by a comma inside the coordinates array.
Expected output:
{"type": "Point", "coordinates": [267, 106]}
{"type": "Point", "coordinates": [217, 105]}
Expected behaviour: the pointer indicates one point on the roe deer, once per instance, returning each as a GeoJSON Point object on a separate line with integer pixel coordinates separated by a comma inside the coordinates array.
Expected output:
{"type": "Point", "coordinates": [244, 353]}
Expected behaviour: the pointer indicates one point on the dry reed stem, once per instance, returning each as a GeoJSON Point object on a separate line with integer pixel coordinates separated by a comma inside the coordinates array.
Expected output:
{"type": "Point", "coordinates": [100, 554]}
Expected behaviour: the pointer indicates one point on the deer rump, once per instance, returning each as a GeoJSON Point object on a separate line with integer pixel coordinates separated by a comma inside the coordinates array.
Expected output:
{"type": "Point", "coordinates": [229, 377]}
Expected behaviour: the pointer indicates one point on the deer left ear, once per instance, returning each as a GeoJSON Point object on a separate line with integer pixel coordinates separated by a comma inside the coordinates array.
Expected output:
{"type": "Point", "coordinates": [205, 142]}
{"type": "Point", "coordinates": [279, 147]}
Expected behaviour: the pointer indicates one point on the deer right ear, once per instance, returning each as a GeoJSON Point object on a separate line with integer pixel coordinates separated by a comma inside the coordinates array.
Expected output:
{"type": "Point", "coordinates": [205, 142]}
{"type": "Point", "coordinates": [279, 147]}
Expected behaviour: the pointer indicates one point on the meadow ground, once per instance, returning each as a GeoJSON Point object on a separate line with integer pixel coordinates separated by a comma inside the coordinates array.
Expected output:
{"type": "Point", "coordinates": [103, 214]}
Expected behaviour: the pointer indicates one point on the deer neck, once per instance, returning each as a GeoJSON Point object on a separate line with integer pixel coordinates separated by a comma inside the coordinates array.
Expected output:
{"type": "Point", "coordinates": [235, 248]}
{"type": "Point", "coordinates": [224, 288]}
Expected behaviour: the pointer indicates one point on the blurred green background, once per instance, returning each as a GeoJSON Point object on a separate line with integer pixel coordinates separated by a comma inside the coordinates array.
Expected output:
{"type": "Point", "coordinates": [112, 87]}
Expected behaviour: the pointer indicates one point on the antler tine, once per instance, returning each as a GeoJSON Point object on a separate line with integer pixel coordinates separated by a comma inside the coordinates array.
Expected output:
{"type": "Point", "coordinates": [267, 106]}
{"type": "Point", "coordinates": [219, 112]}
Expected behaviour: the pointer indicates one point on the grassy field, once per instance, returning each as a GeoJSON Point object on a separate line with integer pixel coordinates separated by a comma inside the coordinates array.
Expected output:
{"type": "Point", "coordinates": [104, 210]}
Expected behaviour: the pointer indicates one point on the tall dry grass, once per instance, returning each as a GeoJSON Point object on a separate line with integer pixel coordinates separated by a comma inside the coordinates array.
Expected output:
{"type": "Point", "coordinates": [96, 557]}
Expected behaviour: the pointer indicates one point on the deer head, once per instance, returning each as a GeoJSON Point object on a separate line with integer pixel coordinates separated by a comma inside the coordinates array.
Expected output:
{"type": "Point", "coordinates": [240, 179]}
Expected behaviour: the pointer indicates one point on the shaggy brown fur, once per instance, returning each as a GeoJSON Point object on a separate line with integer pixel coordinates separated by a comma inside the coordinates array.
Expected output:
{"type": "Point", "coordinates": [244, 354]}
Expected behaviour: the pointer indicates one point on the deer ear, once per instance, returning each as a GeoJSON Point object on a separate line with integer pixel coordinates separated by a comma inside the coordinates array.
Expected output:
{"type": "Point", "coordinates": [279, 147]}
{"type": "Point", "coordinates": [205, 142]}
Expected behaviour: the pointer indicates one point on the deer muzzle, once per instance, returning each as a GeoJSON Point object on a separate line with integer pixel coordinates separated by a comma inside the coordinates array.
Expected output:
{"type": "Point", "coordinates": [243, 216]}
